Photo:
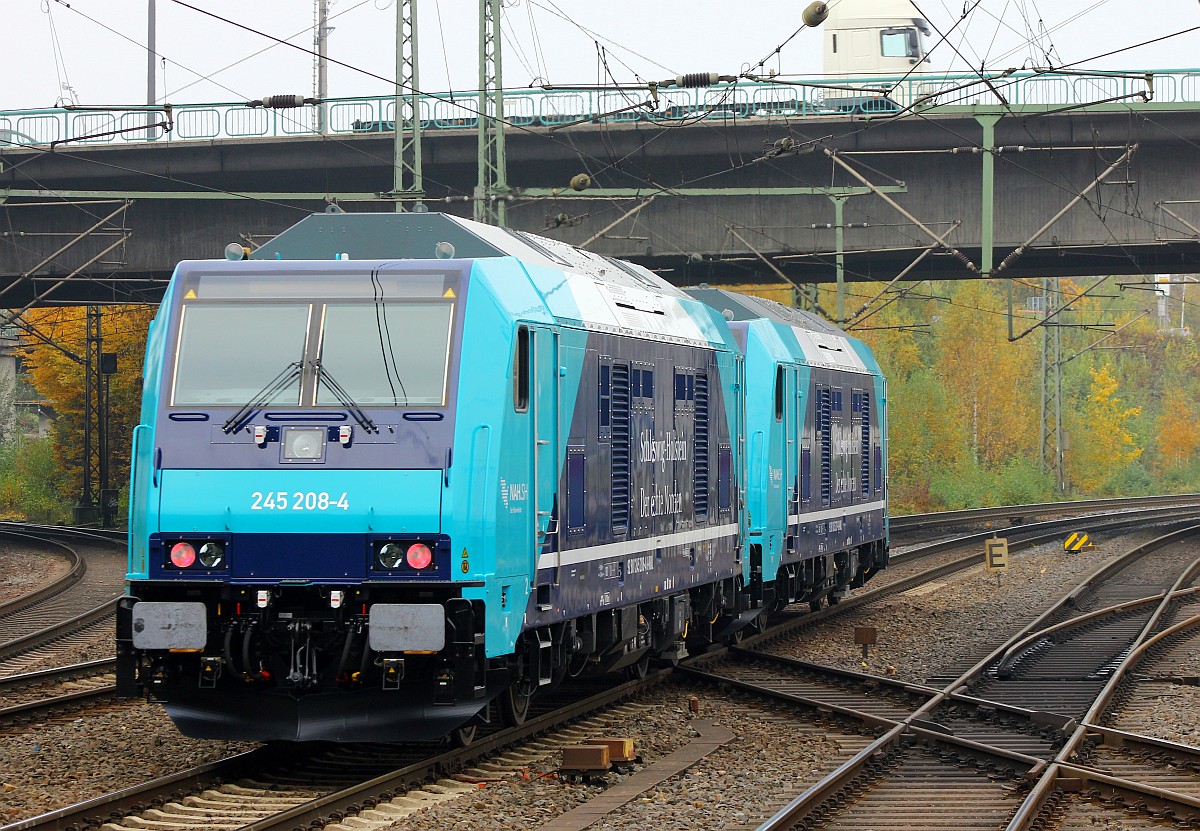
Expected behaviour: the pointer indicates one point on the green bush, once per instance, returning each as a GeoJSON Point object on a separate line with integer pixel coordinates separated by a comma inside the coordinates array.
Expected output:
{"type": "Point", "coordinates": [1023, 482]}
{"type": "Point", "coordinates": [29, 483]}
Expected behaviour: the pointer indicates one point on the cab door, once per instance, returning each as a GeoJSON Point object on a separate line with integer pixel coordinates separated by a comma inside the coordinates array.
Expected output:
{"type": "Point", "coordinates": [792, 418]}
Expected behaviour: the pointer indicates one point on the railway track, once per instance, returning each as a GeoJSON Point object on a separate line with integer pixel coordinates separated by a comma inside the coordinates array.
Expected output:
{"type": "Point", "coordinates": [204, 796]}
{"type": "Point", "coordinates": [290, 787]}
{"type": "Point", "coordinates": [1022, 514]}
{"type": "Point", "coordinates": [40, 694]}
{"type": "Point", "coordinates": [1017, 741]}
{"type": "Point", "coordinates": [76, 606]}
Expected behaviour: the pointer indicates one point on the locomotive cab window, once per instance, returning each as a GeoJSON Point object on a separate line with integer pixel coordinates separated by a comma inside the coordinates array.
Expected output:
{"type": "Point", "coordinates": [521, 371]}
{"type": "Point", "coordinates": [401, 361]}
{"type": "Point", "coordinates": [215, 340]}
{"type": "Point", "coordinates": [779, 393]}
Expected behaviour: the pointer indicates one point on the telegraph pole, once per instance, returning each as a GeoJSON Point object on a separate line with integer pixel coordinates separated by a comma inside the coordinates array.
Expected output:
{"type": "Point", "coordinates": [491, 192]}
{"type": "Point", "coordinates": [151, 37]}
{"type": "Point", "coordinates": [406, 162]}
{"type": "Point", "coordinates": [1051, 429]}
{"type": "Point", "coordinates": [97, 501]}
{"type": "Point", "coordinates": [321, 44]}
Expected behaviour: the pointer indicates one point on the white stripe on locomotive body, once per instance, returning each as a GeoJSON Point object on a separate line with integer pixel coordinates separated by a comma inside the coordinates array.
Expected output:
{"type": "Point", "coordinates": [829, 351]}
{"type": "Point", "coordinates": [836, 513]}
{"type": "Point", "coordinates": [575, 556]}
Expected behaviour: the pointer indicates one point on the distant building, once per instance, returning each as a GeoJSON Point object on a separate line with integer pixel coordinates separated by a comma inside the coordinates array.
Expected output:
{"type": "Point", "coordinates": [20, 413]}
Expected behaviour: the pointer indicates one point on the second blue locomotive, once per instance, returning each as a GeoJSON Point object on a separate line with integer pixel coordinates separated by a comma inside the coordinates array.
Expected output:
{"type": "Point", "coordinates": [397, 467]}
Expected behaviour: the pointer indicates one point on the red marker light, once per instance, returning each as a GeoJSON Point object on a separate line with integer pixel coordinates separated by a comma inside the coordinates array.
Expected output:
{"type": "Point", "coordinates": [182, 555]}
{"type": "Point", "coordinates": [419, 556]}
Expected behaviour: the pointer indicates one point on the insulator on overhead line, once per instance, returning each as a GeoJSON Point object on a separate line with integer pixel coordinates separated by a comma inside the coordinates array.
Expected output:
{"type": "Point", "coordinates": [696, 79]}
{"type": "Point", "coordinates": [581, 181]}
{"type": "Point", "coordinates": [815, 14]}
{"type": "Point", "coordinates": [282, 102]}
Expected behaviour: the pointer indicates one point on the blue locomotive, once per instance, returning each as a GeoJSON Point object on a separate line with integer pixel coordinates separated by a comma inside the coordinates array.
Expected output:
{"type": "Point", "coordinates": [398, 472]}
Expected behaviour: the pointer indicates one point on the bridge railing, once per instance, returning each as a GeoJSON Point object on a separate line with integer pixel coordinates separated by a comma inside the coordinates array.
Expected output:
{"type": "Point", "coordinates": [539, 108]}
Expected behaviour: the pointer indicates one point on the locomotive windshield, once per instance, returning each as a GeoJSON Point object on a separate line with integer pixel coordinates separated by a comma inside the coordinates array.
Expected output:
{"type": "Point", "coordinates": [390, 354]}
{"type": "Point", "coordinates": [229, 352]}
{"type": "Point", "coordinates": [383, 339]}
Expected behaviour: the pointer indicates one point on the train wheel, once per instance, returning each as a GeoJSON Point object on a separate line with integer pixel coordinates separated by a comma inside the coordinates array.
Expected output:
{"type": "Point", "coordinates": [762, 622]}
{"type": "Point", "coordinates": [833, 599]}
{"type": "Point", "coordinates": [513, 704]}
{"type": "Point", "coordinates": [463, 736]}
{"type": "Point", "coordinates": [814, 605]}
{"type": "Point", "coordinates": [639, 670]}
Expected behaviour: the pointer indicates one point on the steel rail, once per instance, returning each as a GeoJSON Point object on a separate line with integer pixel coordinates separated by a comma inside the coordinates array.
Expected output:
{"type": "Point", "coordinates": [1015, 652]}
{"type": "Point", "coordinates": [352, 800]}
{"type": "Point", "coordinates": [87, 669]}
{"type": "Point", "coordinates": [29, 708]}
{"type": "Point", "coordinates": [912, 521]}
{"type": "Point", "coordinates": [367, 793]}
{"type": "Point", "coordinates": [93, 812]}
{"type": "Point", "coordinates": [56, 672]}
{"type": "Point", "coordinates": [113, 535]}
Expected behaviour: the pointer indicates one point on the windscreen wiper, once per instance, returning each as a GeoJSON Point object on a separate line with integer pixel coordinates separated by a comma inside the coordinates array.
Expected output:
{"type": "Point", "coordinates": [273, 387]}
{"type": "Point", "coordinates": [349, 403]}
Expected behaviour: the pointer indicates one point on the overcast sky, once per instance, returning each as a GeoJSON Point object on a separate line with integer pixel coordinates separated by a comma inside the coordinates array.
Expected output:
{"type": "Point", "coordinates": [94, 50]}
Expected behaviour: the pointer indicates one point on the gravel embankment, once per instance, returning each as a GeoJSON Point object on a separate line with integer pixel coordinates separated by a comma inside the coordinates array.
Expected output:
{"type": "Point", "coordinates": [942, 626]}
{"type": "Point", "coordinates": [772, 757]}
{"type": "Point", "coordinates": [23, 571]}
{"type": "Point", "coordinates": [100, 645]}
{"type": "Point", "coordinates": [91, 753]}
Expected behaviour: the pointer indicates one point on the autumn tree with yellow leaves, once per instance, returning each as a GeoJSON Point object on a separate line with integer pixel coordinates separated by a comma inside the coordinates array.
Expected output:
{"type": "Point", "coordinates": [1104, 444]}
{"type": "Point", "coordinates": [986, 377]}
{"type": "Point", "coordinates": [1178, 431]}
{"type": "Point", "coordinates": [59, 379]}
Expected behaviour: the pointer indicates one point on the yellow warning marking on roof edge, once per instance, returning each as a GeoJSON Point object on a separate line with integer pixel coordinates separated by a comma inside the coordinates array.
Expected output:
{"type": "Point", "coordinates": [191, 295]}
{"type": "Point", "coordinates": [450, 293]}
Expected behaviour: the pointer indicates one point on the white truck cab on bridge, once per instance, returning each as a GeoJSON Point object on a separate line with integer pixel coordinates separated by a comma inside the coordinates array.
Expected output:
{"type": "Point", "coordinates": [873, 37]}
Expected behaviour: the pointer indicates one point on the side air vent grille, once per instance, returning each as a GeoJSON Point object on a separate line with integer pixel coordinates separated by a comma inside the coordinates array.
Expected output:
{"type": "Point", "coordinates": [824, 427]}
{"type": "Point", "coordinates": [700, 448]}
{"type": "Point", "coordinates": [864, 457]}
{"type": "Point", "coordinates": [620, 448]}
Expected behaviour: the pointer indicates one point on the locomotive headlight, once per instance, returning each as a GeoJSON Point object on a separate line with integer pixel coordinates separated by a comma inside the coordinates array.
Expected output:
{"type": "Point", "coordinates": [419, 556]}
{"type": "Point", "coordinates": [303, 443]}
{"type": "Point", "coordinates": [182, 555]}
{"type": "Point", "coordinates": [212, 555]}
{"type": "Point", "coordinates": [391, 555]}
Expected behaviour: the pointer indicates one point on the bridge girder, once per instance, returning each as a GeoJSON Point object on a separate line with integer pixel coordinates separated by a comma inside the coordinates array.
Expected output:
{"type": "Point", "coordinates": [192, 198]}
